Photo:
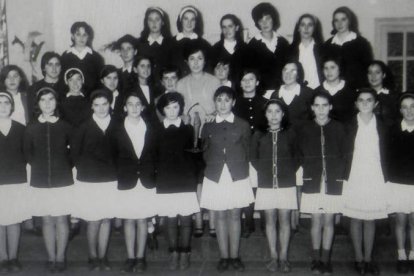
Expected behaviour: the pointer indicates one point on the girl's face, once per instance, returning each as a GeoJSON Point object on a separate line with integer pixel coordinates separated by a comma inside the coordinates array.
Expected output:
{"type": "Point", "coordinates": [53, 68]}
{"type": "Point", "coordinates": [5, 107]}
{"type": "Point", "coordinates": [144, 69]}
{"type": "Point", "coordinates": [169, 80]}
{"type": "Point", "coordinates": [47, 104]}
{"type": "Point", "coordinates": [172, 111]}
{"type": "Point", "coordinates": [321, 108]}
{"type": "Point", "coordinates": [110, 81]}
{"type": "Point", "coordinates": [407, 109]}
{"type": "Point", "coordinates": [224, 104]}
{"type": "Point", "coordinates": [274, 115]}
{"type": "Point", "coordinates": [196, 62]}
{"type": "Point", "coordinates": [188, 22]}
{"type": "Point", "coordinates": [341, 22]}
{"type": "Point", "coordinates": [375, 75]}
{"type": "Point", "coordinates": [100, 107]}
{"type": "Point", "coordinates": [229, 29]}
{"type": "Point", "coordinates": [133, 107]}
{"type": "Point", "coordinates": [266, 23]}
{"type": "Point", "coordinates": [127, 52]}
{"type": "Point", "coordinates": [75, 83]}
{"type": "Point", "coordinates": [366, 103]}
{"type": "Point", "coordinates": [154, 22]}
{"type": "Point", "coordinates": [306, 28]}
{"type": "Point", "coordinates": [249, 83]}
{"type": "Point", "coordinates": [12, 81]}
{"type": "Point", "coordinates": [290, 74]}
{"type": "Point", "coordinates": [221, 71]}
{"type": "Point", "coordinates": [331, 71]}
{"type": "Point", "coordinates": [80, 37]}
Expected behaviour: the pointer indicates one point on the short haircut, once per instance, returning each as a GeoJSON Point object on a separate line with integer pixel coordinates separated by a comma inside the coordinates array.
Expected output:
{"type": "Point", "coordinates": [71, 72]}
{"type": "Point", "coordinates": [337, 60]}
{"type": "Point", "coordinates": [253, 71]}
{"type": "Point", "coordinates": [405, 95]}
{"type": "Point", "coordinates": [10, 98]}
{"type": "Point", "coordinates": [321, 94]}
{"type": "Point", "coordinates": [88, 29]}
{"type": "Point", "coordinates": [42, 92]}
{"type": "Point", "coordinates": [46, 58]}
{"type": "Point", "coordinates": [140, 58]}
{"type": "Point", "coordinates": [263, 9]}
{"type": "Point", "coordinates": [367, 90]}
{"type": "Point", "coordinates": [224, 90]}
{"type": "Point", "coordinates": [388, 81]}
{"type": "Point", "coordinates": [106, 70]}
{"type": "Point", "coordinates": [125, 39]}
{"type": "Point", "coordinates": [192, 47]}
{"type": "Point", "coordinates": [170, 69]}
{"type": "Point", "coordinates": [101, 93]}
{"type": "Point", "coordinates": [129, 95]}
{"type": "Point", "coordinates": [169, 98]}
{"type": "Point", "coordinates": [301, 73]}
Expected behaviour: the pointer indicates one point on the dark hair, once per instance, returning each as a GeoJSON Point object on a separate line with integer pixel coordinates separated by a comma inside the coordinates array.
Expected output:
{"type": "Point", "coordinates": [388, 81]}
{"type": "Point", "coordinates": [169, 98]}
{"type": "Point", "coordinates": [236, 21]}
{"type": "Point", "coordinates": [322, 94]}
{"type": "Point", "coordinates": [125, 39]}
{"type": "Point", "coordinates": [106, 70]}
{"type": "Point", "coordinates": [263, 9]}
{"type": "Point", "coordinates": [132, 94]}
{"type": "Point", "coordinates": [405, 95]}
{"type": "Point", "coordinates": [284, 124]}
{"type": "Point", "coordinates": [253, 71]}
{"type": "Point", "coordinates": [137, 61]}
{"type": "Point", "coordinates": [88, 29]}
{"type": "Point", "coordinates": [224, 90]}
{"type": "Point", "coordinates": [46, 58]}
{"type": "Point", "coordinates": [352, 18]}
{"type": "Point", "coordinates": [317, 32]}
{"type": "Point", "coordinates": [24, 84]}
{"type": "Point", "coordinates": [73, 71]}
{"type": "Point", "coordinates": [338, 61]}
{"type": "Point", "coordinates": [101, 93]}
{"type": "Point", "coordinates": [193, 46]}
{"type": "Point", "coordinates": [11, 100]}
{"type": "Point", "coordinates": [170, 69]}
{"type": "Point", "coordinates": [301, 73]}
{"type": "Point", "coordinates": [367, 90]}
{"type": "Point", "coordinates": [45, 91]}
{"type": "Point", "coordinates": [223, 60]}
{"type": "Point", "coordinates": [165, 28]}
{"type": "Point", "coordinates": [198, 29]}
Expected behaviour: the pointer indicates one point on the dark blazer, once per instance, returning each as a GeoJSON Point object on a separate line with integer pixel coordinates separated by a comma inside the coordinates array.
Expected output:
{"type": "Point", "coordinates": [127, 81]}
{"type": "Point", "coordinates": [252, 111]}
{"type": "Point", "coordinates": [263, 153]}
{"type": "Point", "coordinates": [75, 110]}
{"type": "Point", "coordinates": [383, 134]}
{"type": "Point", "coordinates": [12, 161]}
{"type": "Point", "coordinates": [46, 146]}
{"type": "Point", "coordinates": [25, 101]}
{"type": "Point", "coordinates": [226, 143]}
{"type": "Point", "coordinates": [387, 108]}
{"type": "Point", "coordinates": [92, 153]}
{"type": "Point", "coordinates": [311, 158]}
{"type": "Point", "coordinates": [129, 167]}
{"type": "Point", "coordinates": [149, 114]}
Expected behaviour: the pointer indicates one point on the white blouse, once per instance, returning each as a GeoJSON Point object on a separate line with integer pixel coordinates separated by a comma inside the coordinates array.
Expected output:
{"type": "Point", "coordinates": [136, 133]}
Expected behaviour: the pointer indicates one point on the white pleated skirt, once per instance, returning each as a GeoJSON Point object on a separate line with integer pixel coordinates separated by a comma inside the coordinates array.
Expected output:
{"type": "Point", "coordinates": [14, 207]}
{"type": "Point", "coordinates": [226, 194]}
{"type": "Point", "coordinates": [280, 198]}
{"type": "Point", "coordinates": [136, 203]}
{"type": "Point", "coordinates": [183, 204]}
{"type": "Point", "coordinates": [94, 201]}
{"type": "Point", "coordinates": [52, 201]}
{"type": "Point", "coordinates": [320, 203]}
{"type": "Point", "coordinates": [401, 198]}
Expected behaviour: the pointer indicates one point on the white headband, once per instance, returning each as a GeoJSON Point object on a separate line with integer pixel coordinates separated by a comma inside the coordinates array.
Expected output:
{"type": "Point", "coordinates": [156, 9]}
{"type": "Point", "coordinates": [73, 69]}
{"type": "Point", "coordinates": [8, 96]}
{"type": "Point", "coordinates": [186, 9]}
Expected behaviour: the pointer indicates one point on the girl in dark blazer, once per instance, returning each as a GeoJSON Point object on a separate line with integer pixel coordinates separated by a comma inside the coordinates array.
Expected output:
{"type": "Point", "coordinates": [306, 48]}
{"type": "Point", "coordinates": [365, 194]}
{"type": "Point", "coordinates": [322, 152]}
{"type": "Point", "coordinates": [267, 51]}
{"type": "Point", "coordinates": [342, 94]}
{"type": "Point", "coordinates": [401, 180]}
{"type": "Point", "coordinates": [96, 178]}
{"type": "Point", "coordinates": [355, 50]}
{"type": "Point", "coordinates": [110, 81]}
{"type": "Point", "coordinates": [226, 186]}
{"type": "Point", "coordinates": [127, 47]}
{"type": "Point", "coordinates": [272, 153]}
{"type": "Point", "coordinates": [14, 81]}
{"type": "Point", "coordinates": [133, 143]}
{"type": "Point", "coordinates": [176, 179]}
{"type": "Point", "coordinates": [46, 145]}
{"type": "Point", "coordinates": [13, 185]}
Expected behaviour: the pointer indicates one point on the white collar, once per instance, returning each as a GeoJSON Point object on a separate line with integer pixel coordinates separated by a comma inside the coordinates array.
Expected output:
{"type": "Point", "coordinates": [351, 36]}
{"type": "Point", "coordinates": [384, 91]}
{"type": "Point", "coordinates": [406, 127]}
{"type": "Point", "coordinates": [230, 45]}
{"type": "Point", "coordinates": [69, 94]}
{"type": "Point", "coordinates": [304, 48]}
{"type": "Point", "coordinates": [81, 54]}
{"type": "Point", "coordinates": [115, 94]}
{"type": "Point", "coordinates": [5, 126]}
{"type": "Point", "coordinates": [102, 123]}
{"type": "Point", "coordinates": [372, 123]}
{"type": "Point", "coordinates": [130, 123]}
{"type": "Point", "coordinates": [180, 36]}
{"type": "Point", "coordinates": [227, 83]}
{"type": "Point", "coordinates": [176, 122]}
{"type": "Point", "coordinates": [333, 89]}
{"type": "Point", "coordinates": [229, 119]}
{"type": "Point", "coordinates": [128, 69]}
{"type": "Point", "coordinates": [51, 119]}
{"type": "Point", "coordinates": [271, 45]}
{"type": "Point", "coordinates": [151, 40]}
{"type": "Point", "coordinates": [283, 92]}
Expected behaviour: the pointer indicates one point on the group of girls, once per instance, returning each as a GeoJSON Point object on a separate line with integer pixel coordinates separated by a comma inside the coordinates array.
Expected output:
{"type": "Point", "coordinates": [105, 143]}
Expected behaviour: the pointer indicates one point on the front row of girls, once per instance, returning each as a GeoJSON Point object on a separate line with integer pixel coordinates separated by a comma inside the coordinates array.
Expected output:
{"type": "Point", "coordinates": [134, 170]}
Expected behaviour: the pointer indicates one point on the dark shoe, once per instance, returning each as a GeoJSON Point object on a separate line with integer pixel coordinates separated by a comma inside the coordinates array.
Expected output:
{"type": "Point", "coordinates": [316, 267]}
{"type": "Point", "coordinates": [223, 265]}
{"type": "Point", "coordinates": [285, 266]}
{"type": "Point", "coordinates": [129, 266]}
{"type": "Point", "coordinates": [198, 232]}
{"type": "Point", "coordinates": [327, 269]}
{"type": "Point", "coordinates": [104, 265]}
{"type": "Point", "coordinates": [372, 268]}
{"type": "Point", "coordinates": [93, 264]}
{"type": "Point", "coordinates": [4, 267]}
{"type": "Point", "coordinates": [141, 265]}
{"type": "Point", "coordinates": [60, 266]}
{"type": "Point", "coordinates": [184, 260]}
{"type": "Point", "coordinates": [14, 265]}
{"type": "Point", "coordinates": [403, 266]}
{"type": "Point", "coordinates": [212, 233]}
{"type": "Point", "coordinates": [237, 264]}
{"type": "Point", "coordinates": [50, 266]}
{"type": "Point", "coordinates": [359, 267]}
{"type": "Point", "coordinates": [174, 261]}
{"type": "Point", "coordinates": [272, 265]}
{"type": "Point", "coordinates": [152, 241]}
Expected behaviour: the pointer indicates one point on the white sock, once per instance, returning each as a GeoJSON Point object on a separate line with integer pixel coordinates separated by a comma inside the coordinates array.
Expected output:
{"type": "Point", "coordinates": [411, 256]}
{"type": "Point", "coordinates": [402, 255]}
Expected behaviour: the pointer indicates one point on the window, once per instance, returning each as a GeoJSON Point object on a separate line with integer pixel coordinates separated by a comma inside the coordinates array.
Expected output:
{"type": "Point", "coordinates": [395, 46]}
